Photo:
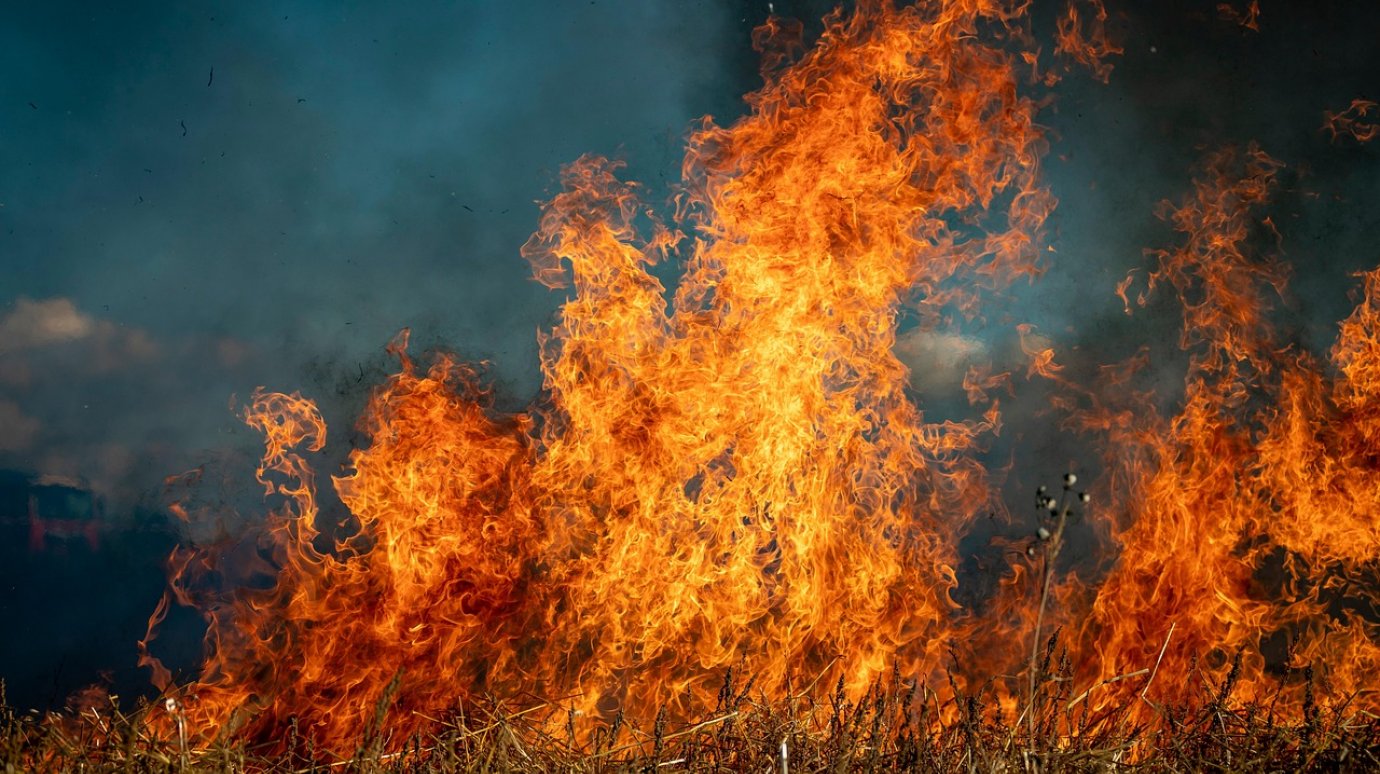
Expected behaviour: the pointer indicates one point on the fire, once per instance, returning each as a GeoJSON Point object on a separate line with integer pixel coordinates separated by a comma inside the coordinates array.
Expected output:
{"type": "Point", "coordinates": [736, 478]}
{"type": "Point", "coordinates": [1247, 19]}
{"type": "Point", "coordinates": [1082, 37]}
{"type": "Point", "coordinates": [1360, 121]}
{"type": "Point", "coordinates": [1244, 523]}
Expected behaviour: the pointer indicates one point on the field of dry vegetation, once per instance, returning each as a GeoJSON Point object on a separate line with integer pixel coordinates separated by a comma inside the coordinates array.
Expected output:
{"type": "Point", "coordinates": [897, 726]}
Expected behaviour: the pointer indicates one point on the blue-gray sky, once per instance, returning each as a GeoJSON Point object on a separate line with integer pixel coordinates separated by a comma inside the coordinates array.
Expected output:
{"type": "Point", "coordinates": [199, 198]}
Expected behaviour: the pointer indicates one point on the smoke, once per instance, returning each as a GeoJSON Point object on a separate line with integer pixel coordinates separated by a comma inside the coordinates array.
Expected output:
{"type": "Point", "coordinates": [266, 196]}
{"type": "Point", "coordinates": [1192, 80]}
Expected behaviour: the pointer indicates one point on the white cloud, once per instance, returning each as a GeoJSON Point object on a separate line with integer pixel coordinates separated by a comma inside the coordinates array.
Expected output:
{"type": "Point", "coordinates": [32, 324]}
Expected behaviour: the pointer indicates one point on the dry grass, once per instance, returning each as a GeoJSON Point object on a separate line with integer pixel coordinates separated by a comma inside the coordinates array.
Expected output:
{"type": "Point", "coordinates": [899, 725]}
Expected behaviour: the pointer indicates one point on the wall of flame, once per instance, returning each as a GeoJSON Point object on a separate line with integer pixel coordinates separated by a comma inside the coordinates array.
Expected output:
{"type": "Point", "coordinates": [738, 478]}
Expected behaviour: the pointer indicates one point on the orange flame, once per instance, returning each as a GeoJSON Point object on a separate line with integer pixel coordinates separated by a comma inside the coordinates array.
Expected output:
{"type": "Point", "coordinates": [1244, 522]}
{"type": "Point", "coordinates": [1041, 354]}
{"type": "Point", "coordinates": [1358, 121]}
{"type": "Point", "coordinates": [734, 479]}
{"type": "Point", "coordinates": [1247, 19]}
{"type": "Point", "coordinates": [1082, 36]}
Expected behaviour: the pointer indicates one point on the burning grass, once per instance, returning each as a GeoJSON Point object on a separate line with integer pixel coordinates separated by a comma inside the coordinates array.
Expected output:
{"type": "Point", "coordinates": [898, 724]}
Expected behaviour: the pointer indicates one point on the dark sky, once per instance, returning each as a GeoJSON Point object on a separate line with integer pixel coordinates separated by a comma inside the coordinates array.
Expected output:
{"type": "Point", "coordinates": [198, 198]}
